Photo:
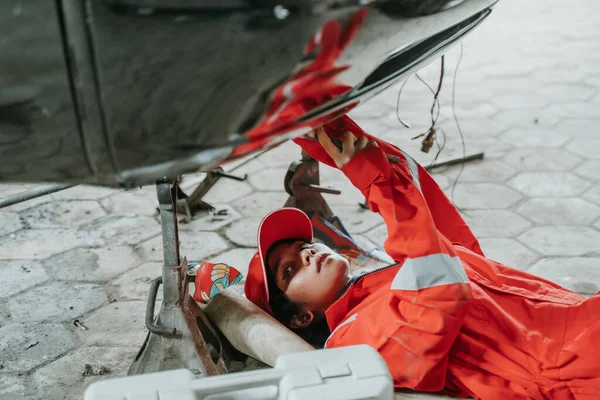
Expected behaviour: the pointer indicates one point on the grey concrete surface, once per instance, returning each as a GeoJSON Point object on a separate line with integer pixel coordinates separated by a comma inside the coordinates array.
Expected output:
{"type": "Point", "coordinates": [527, 93]}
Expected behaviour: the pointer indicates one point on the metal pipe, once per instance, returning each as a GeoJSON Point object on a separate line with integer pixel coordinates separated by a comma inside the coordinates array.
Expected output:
{"type": "Point", "coordinates": [170, 238]}
{"type": "Point", "coordinates": [33, 193]}
{"type": "Point", "coordinates": [453, 160]}
{"type": "Point", "coordinates": [152, 327]}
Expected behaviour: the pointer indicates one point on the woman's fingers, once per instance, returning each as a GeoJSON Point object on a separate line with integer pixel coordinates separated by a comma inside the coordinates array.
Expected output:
{"type": "Point", "coordinates": [360, 144]}
{"type": "Point", "coordinates": [348, 140]}
{"type": "Point", "coordinates": [328, 145]}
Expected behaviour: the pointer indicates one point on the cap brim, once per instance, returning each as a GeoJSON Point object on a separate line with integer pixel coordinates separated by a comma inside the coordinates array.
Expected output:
{"type": "Point", "coordinates": [281, 224]}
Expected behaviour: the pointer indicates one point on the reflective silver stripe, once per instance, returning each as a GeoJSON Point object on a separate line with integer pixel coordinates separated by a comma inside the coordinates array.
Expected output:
{"type": "Point", "coordinates": [429, 271]}
{"type": "Point", "coordinates": [413, 168]}
{"type": "Point", "coordinates": [350, 319]}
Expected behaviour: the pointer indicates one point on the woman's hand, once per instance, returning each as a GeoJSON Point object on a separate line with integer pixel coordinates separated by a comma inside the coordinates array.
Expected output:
{"type": "Point", "coordinates": [350, 146]}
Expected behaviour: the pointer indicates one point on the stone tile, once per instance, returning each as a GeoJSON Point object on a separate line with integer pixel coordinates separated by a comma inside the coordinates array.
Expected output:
{"type": "Point", "coordinates": [211, 222]}
{"type": "Point", "coordinates": [553, 76]}
{"type": "Point", "coordinates": [260, 203]}
{"type": "Point", "coordinates": [492, 147]}
{"type": "Point", "coordinates": [541, 159]}
{"type": "Point", "coordinates": [519, 101]}
{"type": "Point", "coordinates": [573, 110]}
{"type": "Point", "coordinates": [18, 275]}
{"type": "Point", "coordinates": [197, 246]}
{"type": "Point", "coordinates": [586, 128]}
{"type": "Point", "coordinates": [238, 258]}
{"type": "Point", "coordinates": [356, 219]}
{"type": "Point", "coordinates": [62, 214]}
{"type": "Point", "coordinates": [443, 181]}
{"type": "Point", "coordinates": [589, 149]}
{"type": "Point", "coordinates": [495, 223]}
{"type": "Point", "coordinates": [502, 68]}
{"type": "Point", "coordinates": [63, 379]}
{"type": "Point", "coordinates": [91, 264]}
{"type": "Point", "coordinates": [534, 138]}
{"type": "Point", "coordinates": [563, 93]}
{"type": "Point", "coordinates": [508, 252]}
{"type": "Point", "coordinates": [282, 155]}
{"type": "Point", "coordinates": [227, 190]}
{"type": "Point", "coordinates": [374, 127]}
{"type": "Point", "coordinates": [120, 230]}
{"type": "Point", "coordinates": [57, 301]}
{"type": "Point", "coordinates": [150, 250]}
{"type": "Point", "coordinates": [244, 231]}
{"type": "Point", "coordinates": [484, 195]}
{"type": "Point", "coordinates": [559, 240]}
{"type": "Point", "coordinates": [14, 387]}
{"type": "Point", "coordinates": [548, 184]}
{"type": "Point", "coordinates": [10, 189]}
{"type": "Point", "coordinates": [131, 202]}
{"type": "Point", "coordinates": [481, 171]}
{"type": "Point", "coordinates": [378, 235]}
{"type": "Point", "coordinates": [40, 244]}
{"type": "Point", "coordinates": [526, 118]}
{"type": "Point", "coordinates": [579, 274]}
{"type": "Point", "coordinates": [561, 211]}
{"type": "Point", "coordinates": [593, 194]}
{"type": "Point", "coordinates": [135, 283]}
{"type": "Point", "coordinates": [474, 128]}
{"type": "Point", "coordinates": [371, 110]}
{"type": "Point", "coordinates": [269, 179]}
{"type": "Point", "coordinates": [115, 324]}
{"type": "Point", "coordinates": [350, 195]}
{"type": "Point", "coordinates": [5, 317]}
{"type": "Point", "coordinates": [245, 166]}
{"type": "Point", "coordinates": [9, 222]}
{"type": "Point", "coordinates": [481, 110]}
{"type": "Point", "coordinates": [84, 192]}
{"type": "Point", "coordinates": [25, 346]}
{"type": "Point", "coordinates": [589, 170]}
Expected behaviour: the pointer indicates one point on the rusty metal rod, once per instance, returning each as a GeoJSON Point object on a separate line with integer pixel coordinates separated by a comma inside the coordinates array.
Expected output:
{"type": "Point", "coordinates": [453, 160]}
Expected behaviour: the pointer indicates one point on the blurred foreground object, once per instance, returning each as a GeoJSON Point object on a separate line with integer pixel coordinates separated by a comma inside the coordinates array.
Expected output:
{"type": "Point", "coordinates": [355, 372]}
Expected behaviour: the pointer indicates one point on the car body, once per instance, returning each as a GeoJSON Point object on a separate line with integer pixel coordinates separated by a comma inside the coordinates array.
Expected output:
{"type": "Point", "coordinates": [125, 92]}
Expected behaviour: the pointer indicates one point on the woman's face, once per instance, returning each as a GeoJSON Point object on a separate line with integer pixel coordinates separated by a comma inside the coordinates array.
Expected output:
{"type": "Point", "coordinates": [309, 273]}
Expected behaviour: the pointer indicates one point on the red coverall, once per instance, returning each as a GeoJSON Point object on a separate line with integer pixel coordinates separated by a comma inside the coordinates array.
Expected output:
{"type": "Point", "coordinates": [444, 317]}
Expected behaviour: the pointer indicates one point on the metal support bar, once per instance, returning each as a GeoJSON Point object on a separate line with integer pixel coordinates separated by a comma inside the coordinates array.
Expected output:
{"type": "Point", "coordinates": [33, 193]}
{"type": "Point", "coordinates": [193, 204]}
{"type": "Point", "coordinates": [167, 197]}
{"type": "Point", "coordinates": [322, 189]}
{"type": "Point", "coordinates": [152, 327]}
{"type": "Point", "coordinates": [453, 160]}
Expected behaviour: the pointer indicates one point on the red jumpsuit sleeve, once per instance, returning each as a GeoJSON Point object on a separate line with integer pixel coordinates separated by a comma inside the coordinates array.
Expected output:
{"type": "Point", "coordinates": [446, 217]}
{"type": "Point", "coordinates": [392, 192]}
{"type": "Point", "coordinates": [430, 293]}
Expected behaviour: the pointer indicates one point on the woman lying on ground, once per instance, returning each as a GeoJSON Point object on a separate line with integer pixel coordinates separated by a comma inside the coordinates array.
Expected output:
{"type": "Point", "coordinates": [444, 317]}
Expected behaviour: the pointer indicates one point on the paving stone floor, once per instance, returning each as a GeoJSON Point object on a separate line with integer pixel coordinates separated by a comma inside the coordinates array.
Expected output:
{"type": "Point", "coordinates": [527, 93]}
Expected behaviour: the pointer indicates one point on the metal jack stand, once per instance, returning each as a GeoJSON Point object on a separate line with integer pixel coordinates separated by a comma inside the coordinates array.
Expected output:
{"type": "Point", "coordinates": [193, 204]}
{"type": "Point", "coordinates": [302, 183]}
{"type": "Point", "coordinates": [176, 337]}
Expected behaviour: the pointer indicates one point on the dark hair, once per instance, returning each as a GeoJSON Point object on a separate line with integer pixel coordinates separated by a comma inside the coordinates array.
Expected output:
{"type": "Point", "coordinates": [284, 309]}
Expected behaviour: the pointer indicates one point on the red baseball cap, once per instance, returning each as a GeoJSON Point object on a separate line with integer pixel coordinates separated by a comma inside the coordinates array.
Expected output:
{"type": "Point", "coordinates": [284, 223]}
